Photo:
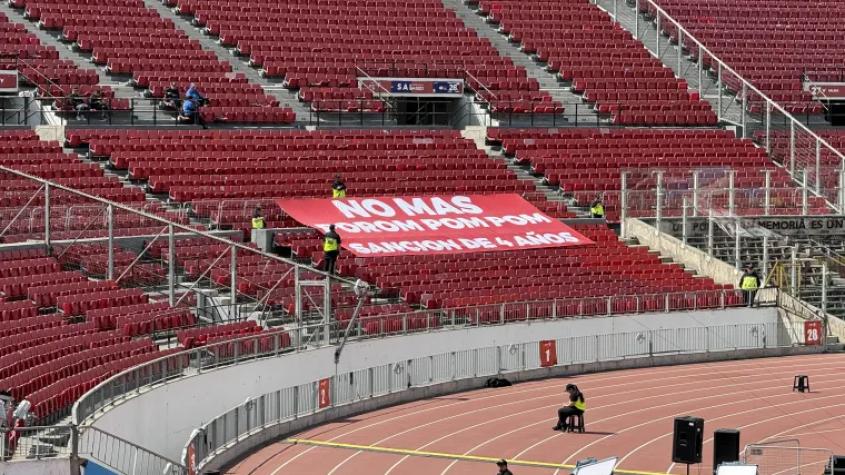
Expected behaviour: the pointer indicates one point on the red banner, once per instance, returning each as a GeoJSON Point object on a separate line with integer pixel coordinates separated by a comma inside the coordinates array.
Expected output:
{"type": "Point", "coordinates": [548, 353]}
{"type": "Point", "coordinates": [401, 225]}
{"type": "Point", "coordinates": [323, 396]}
{"type": "Point", "coordinates": [813, 333]}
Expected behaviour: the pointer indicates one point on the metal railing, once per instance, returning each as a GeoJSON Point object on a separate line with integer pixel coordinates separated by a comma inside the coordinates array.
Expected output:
{"type": "Point", "coordinates": [301, 338]}
{"type": "Point", "coordinates": [773, 116]}
{"type": "Point", "coordinates": [290, 403]}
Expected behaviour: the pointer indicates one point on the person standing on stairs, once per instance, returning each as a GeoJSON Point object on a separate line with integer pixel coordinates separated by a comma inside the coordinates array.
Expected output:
{"type": "Point", "coordinates": [331, 249]}
{"type": "Point", "coordinates": [597, 208]}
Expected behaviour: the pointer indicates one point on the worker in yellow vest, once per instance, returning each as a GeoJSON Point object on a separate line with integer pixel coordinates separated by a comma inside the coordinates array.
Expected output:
{"type": "Point", "coordinates": [749, 283]}
{"type": "Point", "coordinates": [577, 406]}
{"type": "Point", "coordinates": [338, 188]}
{"type": "Point", "coordinates": [258, 219]}
{"type": "Point", "coordinates": [331, 249]}
{"type": "Point", "coordinates": [597, 208]}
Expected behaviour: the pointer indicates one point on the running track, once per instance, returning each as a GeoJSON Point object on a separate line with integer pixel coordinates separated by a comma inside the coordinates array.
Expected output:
{"type": "Point", "coordinates": [629, 415]}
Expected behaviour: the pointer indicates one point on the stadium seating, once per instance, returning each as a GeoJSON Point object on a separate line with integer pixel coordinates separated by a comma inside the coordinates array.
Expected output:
{"type": "Point", "coordinates": [588, 162]}
{"type": "Point", "coordinates": [128, 38]}
{"type": "Point", "coordinates": [771, 46]}
{"type": "Point", "coordinates": [225, 174]}
{"type": "Point", "coordinates": [322, 52]}
{"type": "Point", "coordinates": [603, 62]}
{"type": "Point", "coordinates": [40, 66]}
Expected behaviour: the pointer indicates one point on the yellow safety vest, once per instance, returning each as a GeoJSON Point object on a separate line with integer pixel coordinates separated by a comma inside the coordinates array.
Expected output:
{"type": "Point", "coordinates": [581, 405]}
{"type": "Point", "coordinates": [338, 194]}
{"type": "Point", "coordinates": [329, 244]}
{"type": "Point", "coordinates": [258, 223]}
{"type": "Point", "coordinates": [749, 282]}
{"type": "Point", "coordinates": [597, 209]}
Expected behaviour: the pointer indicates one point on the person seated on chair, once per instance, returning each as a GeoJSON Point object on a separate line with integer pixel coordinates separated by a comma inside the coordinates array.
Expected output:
{"type": "Point", "coordinates": [338, 188]}
{"type": "Point", "coordinates": [191, 113]}
{"type": "Point", "coordinates": [96, 102]}
{"type": "Point", "coordinates": [193, 93]}
{"type": "Point", "coordinates": [77, 103]}
{"type": "Point", "coordinates": [171, 97]}
{"type": "Point", "coordinates": [577, 406]}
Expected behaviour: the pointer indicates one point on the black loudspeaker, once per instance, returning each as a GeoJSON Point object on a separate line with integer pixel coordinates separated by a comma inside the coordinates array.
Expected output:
{"type": "Point", "coordinates": [725, 447]}
{"type": "Point", "coordinates": [837, 465]}
{"type": "Point", "coordinates": [688, 439]}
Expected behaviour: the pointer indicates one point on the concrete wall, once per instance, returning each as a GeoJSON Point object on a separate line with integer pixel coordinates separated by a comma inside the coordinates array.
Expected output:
{"type": "Point", "coordinates": [688, 256]}
{"type": "Point", "coordinates": [162, 418]}
{"type": "Point", "coordinates": [37, 467]}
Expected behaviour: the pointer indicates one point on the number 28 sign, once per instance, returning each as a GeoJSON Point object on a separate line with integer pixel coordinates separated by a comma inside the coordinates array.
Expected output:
{"type": "Point", "coordinates": [548, 353]}
{"type": "Point", "coordinates": [813, 333]}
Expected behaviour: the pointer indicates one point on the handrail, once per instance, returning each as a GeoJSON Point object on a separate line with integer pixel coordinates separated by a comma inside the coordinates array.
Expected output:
{"type": "Point", "coordinates": [175, 225]}
{"type": "Point", "coordinates": [481, 84]}
{"type": "Point", "coordinates": [172, 366]}
{"type": "Point", "coordinates": [689, 36]}
{"type": "Point", "coordinates": [370, 79]}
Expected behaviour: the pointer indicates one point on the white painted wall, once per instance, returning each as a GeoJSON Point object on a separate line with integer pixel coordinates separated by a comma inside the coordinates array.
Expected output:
{"type": "Point", "coordinates": [162, 419]}
{"type": "Point", "coordinates": [36, 467]}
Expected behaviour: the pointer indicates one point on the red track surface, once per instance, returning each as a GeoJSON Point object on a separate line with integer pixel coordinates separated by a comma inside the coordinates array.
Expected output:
{"type": "Point", "coordinates": [629, 415]}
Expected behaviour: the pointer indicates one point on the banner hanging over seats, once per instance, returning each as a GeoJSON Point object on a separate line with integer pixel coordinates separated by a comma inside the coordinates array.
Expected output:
{"type": "Point", "coordinates": [414, 225]}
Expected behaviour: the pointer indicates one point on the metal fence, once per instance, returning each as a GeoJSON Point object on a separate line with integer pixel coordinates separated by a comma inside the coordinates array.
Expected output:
{"type": "Point", "coordinates": [36, 442]}
{"type": "Point", "coordinates": [786, 136]}
{"type": "Point", "coordinates": [341, 389]}
{"type": "Point", "coordinates": [300, 338]}
{"type": "Point", "coordinates": [786, 457]}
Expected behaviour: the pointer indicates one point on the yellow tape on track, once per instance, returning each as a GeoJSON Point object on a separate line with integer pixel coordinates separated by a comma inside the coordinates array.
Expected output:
{"type": "Point", "coordinates": [444, 455]}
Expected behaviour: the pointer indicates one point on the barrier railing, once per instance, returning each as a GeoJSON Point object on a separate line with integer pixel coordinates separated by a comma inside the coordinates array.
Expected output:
{"type": "Point", "coordinates": [272, 343]}
{"type": "Point", "coordinates": [293, 402]}
{"type": "Point", "coordinates": [800, 148]}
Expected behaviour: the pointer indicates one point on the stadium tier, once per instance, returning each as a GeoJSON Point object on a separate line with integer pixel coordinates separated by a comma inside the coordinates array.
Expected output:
{"type": "Point", "coordinates": [40, 66]}
{"type": "Point", "coordinates": [72, 217]}
{"type": "Point", "coordinates": [129, 38]}
{"type": "Point", "coordinates": [322, 53]}
{"type": "Point", "coordinates": [772, 46]}
{"type": "Point", "coordinates": [589, 162]}
{"type": "Point", "coordinates": [225, 174]}
{"type": "Point", "coordinates": [602, 61]}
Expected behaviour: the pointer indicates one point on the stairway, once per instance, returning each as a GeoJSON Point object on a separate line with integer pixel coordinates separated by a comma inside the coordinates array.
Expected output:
{"type": "Point", "coordinates": [238, 64]}
{"type": "Point", "coordinates": [686, 68]}
{"type": "Point", "coordinates": [577, 112]}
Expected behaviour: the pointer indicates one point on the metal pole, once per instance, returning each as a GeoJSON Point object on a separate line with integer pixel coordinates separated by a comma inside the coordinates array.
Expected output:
{"type": "Point", "coordinates": [616, 10]}
{"type": "Point", "coordinates": [680, 50]}
{"type": "Point", "coordinates": [695, 186]}
{"type": "Point", "coordinates": [637, 19]}
{"type": "Point", "coordinates": [719, 90]}
{"type": "Point", "coordinates": [710, 233]}
{"type": "Point", "coordinates": [684, 222]}
{"type": "Point", "coordinates": [765, 264]}
{"type": "Point", "coordinates": [700, 72]}
{"type": "Point", "coordinates": [47, 217]}
{"type": "Point", "coordinates": [767, 197]}
{"type": "Point", "coordinates": [659, 198]}
{"type": "Point", "coordinates": [818, 166]}
{"type": "Point", "coordinates": [732, 193]}
{"type": "Point", "coordinates": [744, 108]}
{"type": "Point", "coordinates": [768, 127]}
{"type": "Point", "coordinates": [792, 147]}
{"type": "Point", "coordinates": [233, 283]}
{"type": "Point", "coordinates": [327, 311]}
{"type": "Point", "coordinates": [804, 194]}
{"type": "Point", "coordinates": [824, 287]}
{"type": "Point", "coordinates": [737, 244]}
{"type": "Point", "coordinates": [171, 265]}
{"type": "Point", "coordinates": [297, 298]}
{"type": "Point", "coordinates": [793, 270]}
{"type": "Point", "coordinates": [842, 187]}
{"type": "Point", "coordinates": [110, 218]}
{"type": "Point", "coordinates": [623, 204]}
{"type": "Point", "coordinates": [657, 39]}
